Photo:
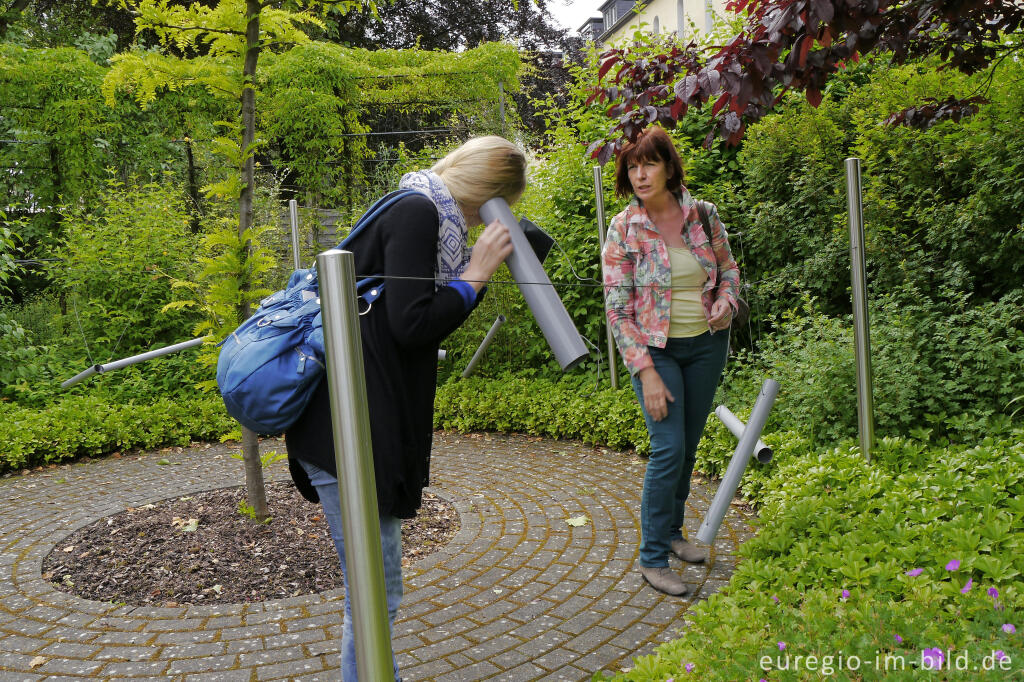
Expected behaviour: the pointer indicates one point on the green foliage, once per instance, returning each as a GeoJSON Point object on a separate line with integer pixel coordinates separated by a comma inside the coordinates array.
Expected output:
{"type": "Point", "coordinates": [929, 362]}
{"type": "Point", "coordinates": [831, 522]}
{"type": "Point", "coordinates": [571, 408]}
{"type": "Point", "coordinates": [89, 425]}
{"type": "Point", "coordinates": [118, 264]}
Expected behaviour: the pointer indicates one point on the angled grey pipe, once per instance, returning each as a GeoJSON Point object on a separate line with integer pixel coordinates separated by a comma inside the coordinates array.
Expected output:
{"type": "Point", "coordinates": [762, 452]}
{"type": "Point", "coordinates": [133, 360]}
{"type": "Point", "coordinates": [740, 458]}
{"type": "Point", "coordinates": [491, 333]}
{"type": "Point", "coordinates": [540, 294]}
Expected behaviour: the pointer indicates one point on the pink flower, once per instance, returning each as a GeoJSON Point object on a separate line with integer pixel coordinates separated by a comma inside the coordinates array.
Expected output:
{"type": "Point", "coordinates": [846, 594]}
{"type": "Point", "coordinates": [914, 572]}
{"type": "Point", "coordinates": [967, 586]}
{"type": "Point", "coordinates": [931, 659]}
{"type": "Point", "coordinates": [1008, 628]}
{"type": "Point", "coordinates": [782, 645]}
{"type": "Point", "coordinates": [775, 599]}
{"type": "Point", "coordinates": [999, 654]}
{"type": "Point", "coordinates": [690, 667]}
{"type": "Point", "coordinates": [993, 592]}
{"type": "Point", "coordinates": [953, 565]}
{"type": "Point", "coordinates": [899, 640]}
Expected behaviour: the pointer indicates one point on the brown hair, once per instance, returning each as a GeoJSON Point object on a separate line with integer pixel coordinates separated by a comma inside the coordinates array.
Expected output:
{"type": "Point", "coordinates": [653, 144]}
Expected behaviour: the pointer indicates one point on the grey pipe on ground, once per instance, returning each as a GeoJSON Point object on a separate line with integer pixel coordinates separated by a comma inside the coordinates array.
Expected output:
{"type": "Point", "coordinates": [738, 464]}
{"type": "Point", "coordinates": [762, 452]}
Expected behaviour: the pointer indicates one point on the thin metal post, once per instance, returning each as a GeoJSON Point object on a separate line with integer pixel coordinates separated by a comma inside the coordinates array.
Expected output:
{"type": "Point", "coordinates": [762, 452]}
{"type": "Point", "coordinates": [353, 454]}
{"type": "Point", "coordinates": [501, 104]}
{"type": "Point", "coordinates": [613, 365]}
{"type": "Point", "coordinates": [293, 215]}
{"type": "Point", "coordinates": [861, 323]}
{"type": "Point", "coordinates": [498, 321]}
{"type": "Point", "coordinates": [738, 464]}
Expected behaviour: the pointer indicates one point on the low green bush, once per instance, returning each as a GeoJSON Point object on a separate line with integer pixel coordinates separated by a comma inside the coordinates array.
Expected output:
{"type": "Point", "coordinates": [90, 425]}
{"type": "Point", "coordinates": [916, 551]}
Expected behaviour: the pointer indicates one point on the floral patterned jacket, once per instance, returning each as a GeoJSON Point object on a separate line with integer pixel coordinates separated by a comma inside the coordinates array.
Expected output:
{"type": "Point", "coordinates": [638, 276]}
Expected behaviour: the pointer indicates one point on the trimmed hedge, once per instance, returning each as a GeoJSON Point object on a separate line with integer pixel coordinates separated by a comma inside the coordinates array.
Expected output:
{"type": "Point", "coordinates": [91, 426]}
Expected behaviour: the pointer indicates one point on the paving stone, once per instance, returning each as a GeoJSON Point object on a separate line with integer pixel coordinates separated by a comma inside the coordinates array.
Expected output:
{"type": "Point", "coordinates": [517, 595]}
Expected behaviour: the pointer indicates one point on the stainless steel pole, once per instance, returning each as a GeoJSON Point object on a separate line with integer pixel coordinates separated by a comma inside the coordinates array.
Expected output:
{"type": "Point", "coordinates": [346, 382]}
{"type": "Point", "coordinates": [501, 104]}
{"type": "Point", "coordinates": [549, 311]}
{"type": "Point", "coordinates": [498, 321]}
{"type": "Point", "coordinates": [861, 324]}
{"type": "Point", "coordinates": [762, 452]}
{"type": "Point", "coordinates": [740, 458]}
{"type": "Point", "coordinates": [293, 215]}
{"type": "Point", "coordinates": [613, 365]}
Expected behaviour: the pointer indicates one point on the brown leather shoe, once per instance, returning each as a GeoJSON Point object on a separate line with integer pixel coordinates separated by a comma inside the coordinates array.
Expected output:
{"type": "Point", "coordinates": [688, 552]}
{"type": "Point", "coordinates": [664, 579]}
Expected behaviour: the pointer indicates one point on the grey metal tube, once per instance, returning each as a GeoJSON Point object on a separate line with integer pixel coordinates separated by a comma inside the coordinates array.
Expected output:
{"type": "Point", "coordinates": [491, 333]}
{"type": "Point", "coordinates": [740, 458]}
{"type": "Point", "coordinates": [861, 323]}
{"type": "Point", "coordinates": [346, 383]}
{"type": "Point", "coordinates": [84, 374]}
{"type": "Point", "coordinates": [133, 360]}
{"type": "Point", "coordinates": [293, 218]}
{"type": "Point", "coordinates": [762, 452]}
{"type": "Point", "coordinates": [540, 294]}
{"type": "Point", "coordinates": [442, 354]}
{"type": "Point", "coordinates": [613, 366]}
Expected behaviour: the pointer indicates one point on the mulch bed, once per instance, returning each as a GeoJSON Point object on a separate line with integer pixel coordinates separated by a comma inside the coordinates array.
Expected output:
{"type": "Point", "coordinates": [201, 549]}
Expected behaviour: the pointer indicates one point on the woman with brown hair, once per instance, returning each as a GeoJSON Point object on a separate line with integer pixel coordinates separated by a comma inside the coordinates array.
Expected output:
{"type": "Point", "coordinates": [670, 297]}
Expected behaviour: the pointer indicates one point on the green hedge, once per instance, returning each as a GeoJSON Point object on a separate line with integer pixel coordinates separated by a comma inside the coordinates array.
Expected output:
{"type": "Point", "coordinates": [90, 426]}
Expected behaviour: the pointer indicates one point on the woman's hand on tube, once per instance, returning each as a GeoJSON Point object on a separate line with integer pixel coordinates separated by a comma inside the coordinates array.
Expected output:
{"type": "Point", "coordinates": [656, 394]}
{"type": "Point", "coordinates": [721, 315]}
{"type": "Point", "coordinates": [491, 249]}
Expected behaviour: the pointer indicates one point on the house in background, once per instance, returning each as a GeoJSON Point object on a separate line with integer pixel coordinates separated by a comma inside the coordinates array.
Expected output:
{"type": "Point", "coordinates": [621, 18]}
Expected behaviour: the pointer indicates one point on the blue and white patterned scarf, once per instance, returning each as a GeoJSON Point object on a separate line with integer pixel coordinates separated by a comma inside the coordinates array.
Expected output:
{"type": "Point", "coordinates": [453, 235]}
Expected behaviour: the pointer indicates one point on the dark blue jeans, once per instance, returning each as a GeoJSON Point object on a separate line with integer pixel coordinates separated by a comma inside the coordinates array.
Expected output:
{"type": "Point", "coordinates": [690, 368]}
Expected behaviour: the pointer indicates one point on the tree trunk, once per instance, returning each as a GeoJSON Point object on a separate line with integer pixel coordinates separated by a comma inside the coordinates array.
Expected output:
{"type": "Point", "coordinates": [195, 223]}
{"type": "Point", "coordinates": [255, 490]}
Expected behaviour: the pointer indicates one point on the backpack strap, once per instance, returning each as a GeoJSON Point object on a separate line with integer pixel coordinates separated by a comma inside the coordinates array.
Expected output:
{"type": "Point", "coordinates": [371, 214]}
{"type": "Point", "coordinates": [370, 288]}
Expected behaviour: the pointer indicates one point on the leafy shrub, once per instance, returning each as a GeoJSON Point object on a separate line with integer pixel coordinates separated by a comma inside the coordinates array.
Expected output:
{"type": "Point", "coordinates": [90, 425]}
{"type": "Point", "coordinates": [929, 363]}
{"type": "Point", "coordinates": [119, 262]}
{"type": "Point", "coordinates": [918, 544]}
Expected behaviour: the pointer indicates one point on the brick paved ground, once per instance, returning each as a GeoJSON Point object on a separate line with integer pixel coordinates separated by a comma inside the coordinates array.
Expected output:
{"type": "Point", "coordinates": [517, 595]}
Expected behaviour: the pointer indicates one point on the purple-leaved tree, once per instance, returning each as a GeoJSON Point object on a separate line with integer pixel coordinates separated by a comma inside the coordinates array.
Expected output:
{"type": "Point", "coordinates": [798, 45]}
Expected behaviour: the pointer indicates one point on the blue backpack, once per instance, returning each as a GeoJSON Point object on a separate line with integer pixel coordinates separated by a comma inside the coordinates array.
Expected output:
{"type": "Point", "coordinates": [269, 367]}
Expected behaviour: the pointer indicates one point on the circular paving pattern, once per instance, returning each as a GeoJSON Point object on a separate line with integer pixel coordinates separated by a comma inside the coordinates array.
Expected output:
{"type": "Point", "coordinates": [519, 594]}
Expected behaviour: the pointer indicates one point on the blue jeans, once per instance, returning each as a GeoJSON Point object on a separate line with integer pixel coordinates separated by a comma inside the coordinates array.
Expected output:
{"type": "Point", "coordinates": [690, 368]}
{"type": "Point", "coordinates": [391, 544]}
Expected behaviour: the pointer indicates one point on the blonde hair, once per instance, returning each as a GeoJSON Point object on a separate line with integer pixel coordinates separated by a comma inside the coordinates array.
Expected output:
{"type": "Point", "coordinates": [483, 168]}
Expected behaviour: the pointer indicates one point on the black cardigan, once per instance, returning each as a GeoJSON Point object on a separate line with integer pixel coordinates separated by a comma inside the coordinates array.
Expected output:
{"type": "Point", "coordinates": [400, 335]}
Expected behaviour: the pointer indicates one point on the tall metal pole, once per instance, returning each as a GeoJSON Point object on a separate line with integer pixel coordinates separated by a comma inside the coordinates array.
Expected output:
{"type": "Point", "coordinates": [501, 105]}
{"type": "Point", "coordinates": [861, 326]}
{"type": "Point", "coordinates": [293, 215]}
{"type": "Point", "coordinates": [613, 365]}
{"type": "Point", "coordinates": [353, 454]}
